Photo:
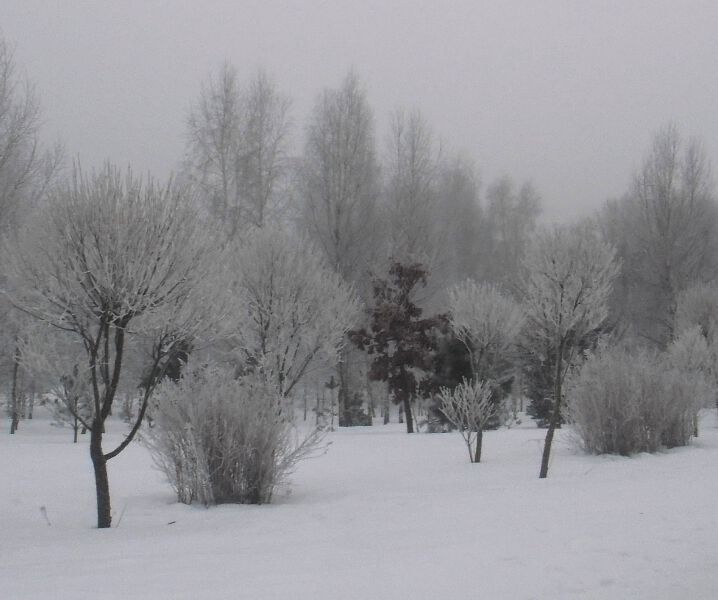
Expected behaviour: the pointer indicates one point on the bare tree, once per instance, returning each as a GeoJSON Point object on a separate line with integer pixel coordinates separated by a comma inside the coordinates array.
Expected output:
{"type": "Point", "coordinates": [413, 167]}
{"type": "Point", "coordinates": [467, 236]}
{"type": "Point", "coordinates": [470, 409]}
{"type": "Point", "coordinates": [26, 168]}
{"type": "Point", "coordinates": [665, 229]}
{"type": "Point", "coordinates": [109, 256]}
{"type": "Point", "coordinates": [295, 309]}
{"type": "Point", "coordinates": [338, 183]}
{"type": "Point", "coordinates": [26, 171]}
{"type": "Point", "coordinates": [511, 220]}
{"type": "Point", "coordinates": [338, 179]}
{"type": "Point", "coordinates": [236, 147]}
{"type": "Point", "coordinates": [566, 289]}
{"type": "Point", "coordinates": [264, 135]}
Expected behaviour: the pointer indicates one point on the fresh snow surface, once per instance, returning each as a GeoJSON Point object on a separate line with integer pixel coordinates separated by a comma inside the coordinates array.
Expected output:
{"type": "Point", "coordinates": [381, 515]}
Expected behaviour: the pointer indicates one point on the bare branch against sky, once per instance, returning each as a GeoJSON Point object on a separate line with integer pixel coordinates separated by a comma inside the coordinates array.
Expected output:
{"type": "Point", "coordinates": [565, 93]}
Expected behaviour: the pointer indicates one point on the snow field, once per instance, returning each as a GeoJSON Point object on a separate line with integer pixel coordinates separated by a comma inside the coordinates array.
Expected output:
{"type": "Point", "coordinates": [381, 515]}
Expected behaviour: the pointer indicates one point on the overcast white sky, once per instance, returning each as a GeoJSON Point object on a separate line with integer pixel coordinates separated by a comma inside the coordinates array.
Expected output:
{"type": "Point", "coordinates": [565, 93]}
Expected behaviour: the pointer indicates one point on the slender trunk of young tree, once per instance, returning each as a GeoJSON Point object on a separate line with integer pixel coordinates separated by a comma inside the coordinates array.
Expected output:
{"type": "Point", "coordinates": [102, 484]}
{"type": "Point", "coordinates": [479, 442]}
{"type": "Point", "coordinates": [408, 415]}
{"type": "Point", "coordinates": [15, 417]}
{"type": "Point", "coordinates": [343, 388]}
{"type": "Point", "coordinates": [556, 416]}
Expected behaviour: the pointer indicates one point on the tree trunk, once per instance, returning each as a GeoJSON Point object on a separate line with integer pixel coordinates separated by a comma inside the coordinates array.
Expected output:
{"type": "Point", "coordinates": [479, 441]}
{"type": "Point", "coordinates": [407, 414]}
{"type": "Point", "coordinates": [15, 417]}
{"type": "Point", "coordinates": [555, 417]}
{"type": "Point", "coordinates": [102, 484]}
{"type": "Point", "coordinates": [343, 391]}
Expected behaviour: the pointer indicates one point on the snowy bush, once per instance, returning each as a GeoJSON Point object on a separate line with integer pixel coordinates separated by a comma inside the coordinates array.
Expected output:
{"type": "Point", "coordinates": [219, 439]}
{"type": "Point", "coordinates": [623, 402]}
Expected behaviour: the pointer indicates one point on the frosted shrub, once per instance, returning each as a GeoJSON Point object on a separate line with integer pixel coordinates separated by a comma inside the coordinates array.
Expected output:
{"type": "Point", "coordinates": [220, 440]}
{"type": "Point", "coordinates": [622, 403]}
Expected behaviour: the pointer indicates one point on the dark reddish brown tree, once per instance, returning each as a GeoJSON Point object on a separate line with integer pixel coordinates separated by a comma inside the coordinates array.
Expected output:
{"type": "Point", "coordinates": [400, 341]}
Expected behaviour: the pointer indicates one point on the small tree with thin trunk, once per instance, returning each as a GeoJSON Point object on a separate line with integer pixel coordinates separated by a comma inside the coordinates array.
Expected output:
{"type": "Point", "coordinates": [568, 281]}
{"type": "Point", "coordinates": [110, 257]}
{"type": "Point", "coordinates": [469, 408]}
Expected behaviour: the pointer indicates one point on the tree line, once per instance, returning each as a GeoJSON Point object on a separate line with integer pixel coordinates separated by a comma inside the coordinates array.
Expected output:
{"type": "Point", "coordinates": [259, 272]}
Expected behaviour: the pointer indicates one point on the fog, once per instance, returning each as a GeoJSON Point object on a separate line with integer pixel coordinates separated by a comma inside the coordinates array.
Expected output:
{"type": "Point", "coordinates": [566, 94]}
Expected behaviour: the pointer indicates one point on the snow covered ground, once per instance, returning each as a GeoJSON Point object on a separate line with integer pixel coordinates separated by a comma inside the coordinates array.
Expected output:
{"type": "Point", "coordinates": [382, 515]}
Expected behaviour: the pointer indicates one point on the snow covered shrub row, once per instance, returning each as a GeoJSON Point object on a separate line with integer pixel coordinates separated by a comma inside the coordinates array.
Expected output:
{"type": "Point", "coordinates": [623, 402]}
{"type": "Point", "coordinates": [220, 439]}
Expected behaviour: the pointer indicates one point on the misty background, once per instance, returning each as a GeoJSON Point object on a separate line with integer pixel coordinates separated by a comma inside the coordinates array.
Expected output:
{"type": "Point", "coordinates": [564, 94]}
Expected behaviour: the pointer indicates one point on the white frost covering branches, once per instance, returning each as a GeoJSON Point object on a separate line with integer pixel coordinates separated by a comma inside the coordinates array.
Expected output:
{"type": "Point", "coordinates": [569, 280]}
{"type": "Point", "coordinates": [109, 257]}
{"type": "Point", "coordinates": [295, 311]}
{"type": "Point", "coordinates": [469, 408]}
{"type": "Point", "coordinates": [624, 401]}
{"type": "Point", "coordinates": [487, 322]}
{"type": "Point", "coordinates": [108, 246]}
{"type": "Point", "coordinates": [570, 275]}
{"type": "Point", "coordinates": [222, 439]}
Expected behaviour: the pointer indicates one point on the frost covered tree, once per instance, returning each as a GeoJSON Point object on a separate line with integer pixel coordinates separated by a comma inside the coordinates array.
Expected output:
{"type": "Point", "coordinates": [470, 409]}
{"type": "Point", "coordinates": [568, 281]}
{"type": "Point", "coordinates": [697, 310]}
{"type": "Point", "coordinates": [111, 256]}
{"type": "Point", "coordinates": [691, 355]}
{"type": "Point", "coordinates": [665, 229]}
{"type": "Point", "coordinates": [412, 162]}
{"type": "Point", "coordinates": [466, 236]}
{"type": "Point", "coordinates": [511, 216]}
{"type": "Point", "coordinates": [487, 322]}
{"type": "Point", "coordinates": [58, 362]}
{"type": "Point", "coordinates": [236, 147]}
{"type": "Point", "coordinates": [338, 179]}
{"type": "Point", "coordinates": [697, 306]}
{"type": "Point", "coordinates": [295, 309]}
{"type": "Point", "coordinates": [25, 169]}
{"type": "Point", "coordinates": [338, 186]}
